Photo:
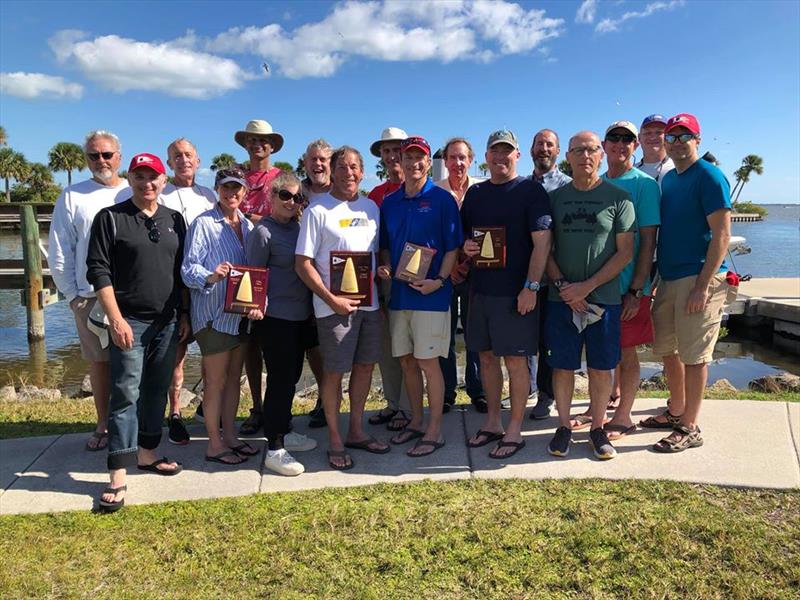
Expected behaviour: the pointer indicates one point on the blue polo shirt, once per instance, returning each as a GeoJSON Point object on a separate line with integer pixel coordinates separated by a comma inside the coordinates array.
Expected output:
{"type": "Point", "coordinates": [686, 201]}
{"type": "Point", "coordinates": [429, 219]}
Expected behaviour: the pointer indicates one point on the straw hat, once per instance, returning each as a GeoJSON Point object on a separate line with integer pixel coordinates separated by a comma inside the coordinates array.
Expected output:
{"type": "Point", "coordinates": [259, 127]}
{"type": "Point", "coordinates": [390, 134]}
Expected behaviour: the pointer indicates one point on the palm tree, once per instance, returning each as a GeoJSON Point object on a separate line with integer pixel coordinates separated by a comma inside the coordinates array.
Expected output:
{"type": "Point", "coordinates": [300, 169]}
{"type": "Point", "coordinates": [65, 156]}
{"type": "Point", "coordinates": [3, 136]}
{"type": "Point", "coordinates": [483, 168]}
{"type": "Point", "coordinates": [222, 161]}
{"type": "Point", "coordinates": [565, 167]}
{"type": "Point", "coordinates": [12, 166]}
{"type": "Point", "coordinates": [752, 163]}
{"type": "Point", "coordinates": [39, 180]}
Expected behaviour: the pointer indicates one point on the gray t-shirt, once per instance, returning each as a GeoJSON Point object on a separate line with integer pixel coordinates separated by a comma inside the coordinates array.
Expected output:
{"type": "Point", "coordinates": [272, 244]}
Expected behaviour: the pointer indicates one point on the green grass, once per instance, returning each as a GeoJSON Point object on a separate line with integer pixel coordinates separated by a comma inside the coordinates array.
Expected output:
{"type": "Point", "coordinates": [76, 415]}
{"type": "Point", "coordinates": [469, 539]}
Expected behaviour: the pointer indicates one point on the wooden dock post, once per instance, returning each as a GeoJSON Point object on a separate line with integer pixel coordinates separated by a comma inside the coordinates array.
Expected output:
{"type": "Point", "coordinates": [34, 285]}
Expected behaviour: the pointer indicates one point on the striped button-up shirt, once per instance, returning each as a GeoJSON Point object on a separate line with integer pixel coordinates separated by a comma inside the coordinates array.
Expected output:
{"type": "Point", "coordinates": [210, 242]}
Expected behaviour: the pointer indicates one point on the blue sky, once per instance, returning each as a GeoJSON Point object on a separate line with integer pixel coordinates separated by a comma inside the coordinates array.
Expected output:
{"type": "Point", "coordinates": [154, 71]}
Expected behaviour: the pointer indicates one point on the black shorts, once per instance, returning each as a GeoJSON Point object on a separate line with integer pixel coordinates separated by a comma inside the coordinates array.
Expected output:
{"type": "Point", "coordinates": [493, 323]}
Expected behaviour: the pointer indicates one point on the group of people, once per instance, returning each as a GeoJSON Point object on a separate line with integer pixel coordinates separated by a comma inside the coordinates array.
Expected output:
{"type": "Point", "coordinates": [547, 265]}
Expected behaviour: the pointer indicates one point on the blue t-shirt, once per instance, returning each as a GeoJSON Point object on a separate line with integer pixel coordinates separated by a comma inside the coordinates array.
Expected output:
{"type": "Point", "coordinates": [428, 219]}
{"type": "Point", "coordinates": [646, 197]}
{"type": "Point", "coordinates": [686, 201]}
{"type": "Point", "coordinates": [522, 207]}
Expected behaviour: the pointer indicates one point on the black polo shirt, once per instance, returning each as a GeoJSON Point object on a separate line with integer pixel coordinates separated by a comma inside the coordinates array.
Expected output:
{"type": "Point", "coordinates": [140, 257]}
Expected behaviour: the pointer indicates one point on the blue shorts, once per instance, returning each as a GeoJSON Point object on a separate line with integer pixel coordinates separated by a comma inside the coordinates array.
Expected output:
{"type": "Point", "coordinates": [565, 343]}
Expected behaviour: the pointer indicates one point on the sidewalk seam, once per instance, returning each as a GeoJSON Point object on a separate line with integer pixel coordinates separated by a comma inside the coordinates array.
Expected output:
{"type": "Point", "coordinates": [30, 464]}
{"type": "Point", "coordinates": [470, 465]}
{"type": "Point", "coordinates": [791, 437]}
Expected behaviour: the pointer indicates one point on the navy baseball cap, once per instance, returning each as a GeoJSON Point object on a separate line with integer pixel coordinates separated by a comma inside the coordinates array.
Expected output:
{"type": "Point", "coordinates": [654, 119]}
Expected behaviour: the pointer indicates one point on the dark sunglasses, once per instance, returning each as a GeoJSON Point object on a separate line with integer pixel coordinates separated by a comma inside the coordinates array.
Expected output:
{"type": "Point", "coordinates": [153, 232]}
{"type": "Point", "coordinates": [95, 156]}
{"type": "Point", "coordinates": [628, 138]}
{"type": "Point", "coordinates": [286, 195]}
{"type": "Point", "coordinates": [670, 138]}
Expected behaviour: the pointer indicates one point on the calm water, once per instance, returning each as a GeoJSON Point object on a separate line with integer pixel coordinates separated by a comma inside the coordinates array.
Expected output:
{"type": "Point", "coordinates": [57, 363]}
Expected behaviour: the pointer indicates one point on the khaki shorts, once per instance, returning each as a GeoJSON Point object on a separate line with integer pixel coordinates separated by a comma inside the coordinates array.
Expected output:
{"type": "Point", "coordinates": [212, 341]}
{"type": "Point", "coordinates": [694, 336]}
{"type": "Point", "coordinates": [423, 333]}
{"type": "Point", "coordinates": [90, 343]}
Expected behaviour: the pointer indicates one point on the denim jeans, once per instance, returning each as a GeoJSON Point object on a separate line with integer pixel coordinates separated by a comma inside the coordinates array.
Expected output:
{"type": "Point", "coordinates": [140, 378]}
{"type": "Point", "coordinates": [472, 371]}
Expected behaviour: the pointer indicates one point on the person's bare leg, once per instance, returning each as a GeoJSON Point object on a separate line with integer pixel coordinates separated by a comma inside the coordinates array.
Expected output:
{"type": "Point", "coordinates": [627, 375]}
{"type": "Point", "coordinates": [616, 383]}
{"type": "Point", "coordinates": [215, 369]}
{"type": "Point", "coordinates": [492, 379]}
{"type": "Point", "coordinates": [696, 377]}
{"type": "Point", "coordinates": [253, 365]}
{"type": "Point", "coordinates": [563, 388]}
{"type": "Point", "coordinates": [100, 376]}
{"type": "Point", "coordinates": [314, 358]}
{"type": "Point", "coordinates": [117, 478]}
{"type": "Point", "coordinates": [331, 399]}
{"type": "Point", "coordinates": [519, 384]}
{"type": "Point", "coordinates": [230, 396]}
{"type": "Point", "coordinates": [675, 373]}
{"type": "Point", "coordinates": [177, 380]}
{"type": "Point", "coordinates": [412, 377]}
{"type": "Point", "coordinates": [435, 388]}
{"type": "Point", "coordinates": [360, 381]}
{"type": "Point", "coordinates": [599, 389]}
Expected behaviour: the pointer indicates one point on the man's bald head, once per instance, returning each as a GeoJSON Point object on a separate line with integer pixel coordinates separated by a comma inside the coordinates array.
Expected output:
{"type": "Point", "coordinates": [585, 154]}
{"type": "Point", "coordinates": [584, 136]}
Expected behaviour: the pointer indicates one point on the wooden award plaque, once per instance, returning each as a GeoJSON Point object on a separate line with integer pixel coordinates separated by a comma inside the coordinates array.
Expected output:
{"type": "Point", "coordinates": [415, 262]}
{"type": "Point", "coordinates": [246, 288]}
{"type": "Point", "coordinates": [351, 275]}
{"type": "Point", "coordinates": [492, 241]}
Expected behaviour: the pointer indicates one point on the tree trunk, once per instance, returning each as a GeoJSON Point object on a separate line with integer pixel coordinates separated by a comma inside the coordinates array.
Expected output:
{"type": "Point", "coordinates": [8, 191]}
{"type": "Point", "coordinates": [739, 193]}
{"type": "Point", "coordinates": [733, 191]}
{"type": "Point", "coordinates": [69, 177]}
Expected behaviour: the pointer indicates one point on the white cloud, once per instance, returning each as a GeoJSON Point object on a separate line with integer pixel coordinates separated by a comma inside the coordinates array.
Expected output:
{"type": "Point", "coordinates": [38, 85]}
{"type": "Point", "coordinates": [394, 31]}
{"type": "Point", "coordinates": [172, 68]}
{"type": "Point", "coordinates": [586, 12]}
{"type": "Point", "coordinates": [609, 25]}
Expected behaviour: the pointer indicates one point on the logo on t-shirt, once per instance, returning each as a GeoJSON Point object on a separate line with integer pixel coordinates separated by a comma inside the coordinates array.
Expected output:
{"type": "Point", "coordinates": [579, 215]}
{"type": "Point", "coordinates": [354, 222]}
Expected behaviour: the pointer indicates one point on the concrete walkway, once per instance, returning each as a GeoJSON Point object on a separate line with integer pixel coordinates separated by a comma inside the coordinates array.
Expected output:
{"type": "Point", "coordinates": [747, 443]}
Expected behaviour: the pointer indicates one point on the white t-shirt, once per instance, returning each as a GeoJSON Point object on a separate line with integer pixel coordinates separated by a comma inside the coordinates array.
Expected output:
{"type": "Point", "coordinates": [657, 170]}
{"type": "Point", "coordinates": [189, 201]}
{"type": "Point", "coordinates": [331, 224]}
{"type": "Point", "coordinates": [70, 229]}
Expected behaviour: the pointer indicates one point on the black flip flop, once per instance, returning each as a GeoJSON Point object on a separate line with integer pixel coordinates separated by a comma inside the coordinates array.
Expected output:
{"type": "Point", "coordinates": [217, 458]}
{"type": "Point", "coordinates": [489, 437]}
{"type": "Point", "coordinates": [432, 444]}
{"type": "Point", "coordinates": [153, 467]}
{"type": "Point", "coordinates": [621, 430]}
{"type": "Point", "coordinates": [245, 449]}
{"type": "Point", "coordinates": [400, 419]}
{"type": "Point", "coordinates": [340, 454]}
{"type": "Point", "coordinates": [516, 445]}
{"type": "Point", "coordinates": [368, 445]}
{"type": "Point", "coordinates": [110, 507]}
{"type": "Point", "coordinates": [412, 434]}
{"type": "Point", "coordinates": [382, 417]}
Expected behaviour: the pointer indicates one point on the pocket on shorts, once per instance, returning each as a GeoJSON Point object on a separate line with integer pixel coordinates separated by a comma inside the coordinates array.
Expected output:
{"type": "Point", "coordinates": [731, 294]}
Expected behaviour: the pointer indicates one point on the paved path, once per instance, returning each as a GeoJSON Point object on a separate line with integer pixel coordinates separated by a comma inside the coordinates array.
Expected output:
{"type": "Point", "coordinates": [747, 443]}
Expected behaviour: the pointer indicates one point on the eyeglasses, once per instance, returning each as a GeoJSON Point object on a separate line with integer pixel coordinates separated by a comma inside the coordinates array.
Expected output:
{"type": "Point", "coordinates": [577, 151]}
{"type": "Point", "coordinates": [627, 138]}
{"type": "Point", "coordinates": [153, 232]}
{"type": "Point", "coordinates": [683, 137]}
{"type": "Point", "coordinates": [286, 195]}
{"type": "Point", "coordinates": [95, 156]}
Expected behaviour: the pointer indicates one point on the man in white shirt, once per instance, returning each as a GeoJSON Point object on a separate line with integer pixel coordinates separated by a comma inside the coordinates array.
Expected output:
{"type": "Point", "coordinates": [67, 248]}
{"type": "Point", "coordinates": [655, 161]}
{"type": "Point", "coordinates": [191, 200]}
{"type": "Point", "coordinates": [350, 329]}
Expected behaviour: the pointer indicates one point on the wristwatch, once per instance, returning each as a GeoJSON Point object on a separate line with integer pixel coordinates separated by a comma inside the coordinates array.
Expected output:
{"type": "Point", "coordinates": [636, 292]}
{"type": "Point", "coordinates": [532, 285]}
{"type": "Point", "coordinates": [442, 279]}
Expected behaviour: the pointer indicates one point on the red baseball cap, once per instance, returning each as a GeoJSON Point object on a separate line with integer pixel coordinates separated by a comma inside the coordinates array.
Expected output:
{"type": "Point", "coordinates": [415, 141]}
{"type": "Point", "coordinates": [683, 120]}
{"type": "Point", "coordinates": [151, 161]}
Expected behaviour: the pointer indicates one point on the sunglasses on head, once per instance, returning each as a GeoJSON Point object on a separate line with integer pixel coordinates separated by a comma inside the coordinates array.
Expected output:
{"type": "Point", "coordinates": [286, 195]}
{"type": "Point", "coordinates": [153, 232]}
{"type": "Point", "coordinates": [628, 138]}
{"type": "Point", "coordinates": [670, 138]}
{"type": "Point", "coordinates": [95, 156]}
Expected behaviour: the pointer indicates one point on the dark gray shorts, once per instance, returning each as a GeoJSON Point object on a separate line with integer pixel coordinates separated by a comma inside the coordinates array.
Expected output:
{"type": "Point", "coordinates": [493, 323]}
{"type": "Point", "coordinates": [346, 340]}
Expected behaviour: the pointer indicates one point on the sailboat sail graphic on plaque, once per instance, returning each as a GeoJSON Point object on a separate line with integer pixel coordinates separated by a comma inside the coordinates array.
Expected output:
{"type": "Point", "coordinates": [415, 261]}
{"type": "Point", "coordinates": [246, 289]}
{"type": "Point", "coordinates": [351, 275]}
{"type": "Point", "coordinates": [492, 241]}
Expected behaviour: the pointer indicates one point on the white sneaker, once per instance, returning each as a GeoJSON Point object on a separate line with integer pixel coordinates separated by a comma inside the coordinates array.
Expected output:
{"type": "Point", "coordinates": [297, 442]}
{"type": "Point", "coordinates": [283, 463]}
